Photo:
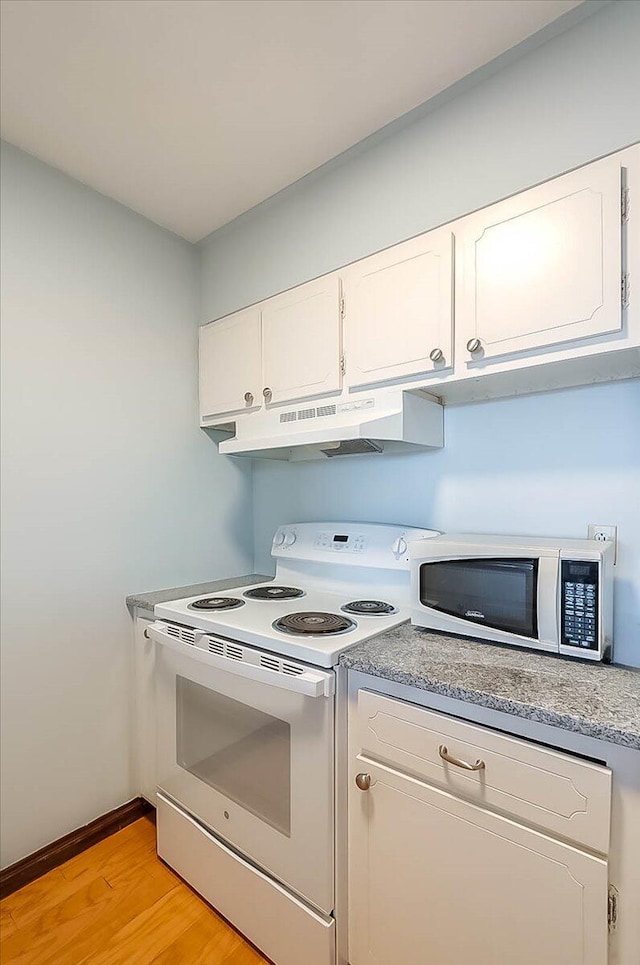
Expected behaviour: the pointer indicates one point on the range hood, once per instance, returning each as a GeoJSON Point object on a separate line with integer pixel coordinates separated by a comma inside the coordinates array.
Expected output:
{"type": "Point", "coordinates": [392, 420]}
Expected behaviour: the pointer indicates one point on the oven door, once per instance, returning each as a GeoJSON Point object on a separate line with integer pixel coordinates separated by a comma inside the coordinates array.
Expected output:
{"type": "Point", "coordinates": [246, 745]}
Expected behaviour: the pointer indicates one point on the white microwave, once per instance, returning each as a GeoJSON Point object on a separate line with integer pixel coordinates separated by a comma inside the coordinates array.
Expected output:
{"type": "Point", "coordinates": [546, 594]}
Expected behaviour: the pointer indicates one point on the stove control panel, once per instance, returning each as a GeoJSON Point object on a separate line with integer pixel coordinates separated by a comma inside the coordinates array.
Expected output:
{"type": "Point", "coordinates": [341, 542]}
{"type": "Point", "coordinates": [359, 544]}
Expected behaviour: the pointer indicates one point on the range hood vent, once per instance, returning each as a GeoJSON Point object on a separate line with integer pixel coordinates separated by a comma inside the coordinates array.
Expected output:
{"type": "Point", "coordinates": [383, 420]}
{"type": "Point", "coordinates": [354, 447]}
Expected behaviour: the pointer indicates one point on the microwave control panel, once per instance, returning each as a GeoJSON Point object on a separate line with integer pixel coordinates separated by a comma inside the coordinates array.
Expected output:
{"type": "Point", "coordinates": [579, 603]}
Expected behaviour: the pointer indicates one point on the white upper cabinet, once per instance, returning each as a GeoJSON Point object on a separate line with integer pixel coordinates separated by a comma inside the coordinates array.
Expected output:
{"type": "Point", "coordinates": [230, 365]}
{"type": "Point", "coordinates": [542, 268]}
{"type": "Point", "coordinates": [301, 339]}
{"type": "Point", "coordinates": [544, 276]}
{"type": "Point", "coordinates": [399, 311]}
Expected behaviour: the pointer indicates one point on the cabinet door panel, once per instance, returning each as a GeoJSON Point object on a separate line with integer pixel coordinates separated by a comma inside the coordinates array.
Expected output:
{"type": "Point", "coordinates": [302, 339]}
{"type": "Point", "coordinates": [436, 879]}
{"type": "Point", "coordinates": [230, 364]}
{"type": "Point", "coordinates": [398, 309]}
{"type": "Point", "coordinates": [544, 267]}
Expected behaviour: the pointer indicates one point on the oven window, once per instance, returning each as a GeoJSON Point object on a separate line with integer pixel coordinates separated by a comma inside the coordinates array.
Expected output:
{"type": "Point", "coordinates": [240, 751]}
{"type": "Point", "coordinates": [498, 593]}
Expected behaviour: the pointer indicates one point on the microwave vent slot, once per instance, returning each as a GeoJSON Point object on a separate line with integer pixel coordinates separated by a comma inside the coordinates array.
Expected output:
{"type": "Point", "coordinates": [306, 413]}
{"type": "Point", "coordinates": [288, 417]}
{"type": "Point", "coordinates": [326, 410]}
{"type": "Point", "coordinates": [291, 669]}
{"type": "Point", "coordinates": [233, 652]}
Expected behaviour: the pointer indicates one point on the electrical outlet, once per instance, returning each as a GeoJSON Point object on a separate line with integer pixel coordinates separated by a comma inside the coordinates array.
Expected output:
{"type": "Point", "coordinates": [601, 533]}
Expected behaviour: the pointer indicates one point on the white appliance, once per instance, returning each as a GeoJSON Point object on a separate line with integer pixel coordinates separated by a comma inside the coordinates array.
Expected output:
{"type": "Point", "coordinates": [384, 420]}
{"type": "Point", "coordinates": [246, 735]}
{"type": "Point", "coordinates": [546, 594]}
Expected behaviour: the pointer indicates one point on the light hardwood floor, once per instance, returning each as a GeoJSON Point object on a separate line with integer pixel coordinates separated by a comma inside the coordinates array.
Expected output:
{"type": "Point", "coordinates": [116, 904]}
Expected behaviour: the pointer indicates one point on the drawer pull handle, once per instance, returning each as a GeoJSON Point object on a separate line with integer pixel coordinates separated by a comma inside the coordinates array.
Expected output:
{"type": "Point", "coordinates": [363, 781]}
{"type": "Point", "coordinates": [446, 756]}
{"type": "Point", "coordinates": [145, 634]}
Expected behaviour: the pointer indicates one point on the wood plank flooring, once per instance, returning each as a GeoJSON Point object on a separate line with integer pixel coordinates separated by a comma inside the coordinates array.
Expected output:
{"type": "Point", "coordinates": [117, 904]}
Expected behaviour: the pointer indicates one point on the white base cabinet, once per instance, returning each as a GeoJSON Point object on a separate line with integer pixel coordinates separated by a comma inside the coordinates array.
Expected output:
{"type": "Point", "coordinates": [438, 880]}
{"type": "Point", "coordinates": [438, 877]}
{"type": "Point", "coordinates": [144, 711]}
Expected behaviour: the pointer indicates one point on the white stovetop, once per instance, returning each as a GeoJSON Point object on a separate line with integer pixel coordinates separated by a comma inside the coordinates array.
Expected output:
{"type": "Point", "coordinates": [335, 563]}
{"type": "Point", "coordinates": [252, 623]}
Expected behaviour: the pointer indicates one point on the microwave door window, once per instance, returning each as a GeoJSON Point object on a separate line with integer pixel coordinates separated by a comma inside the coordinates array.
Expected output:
{"type": "Point", "coordinates": [498, 593]}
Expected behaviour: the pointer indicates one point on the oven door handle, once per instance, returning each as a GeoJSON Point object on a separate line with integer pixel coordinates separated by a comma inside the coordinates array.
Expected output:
{"type": "Point", "coordinates": [310, 682]}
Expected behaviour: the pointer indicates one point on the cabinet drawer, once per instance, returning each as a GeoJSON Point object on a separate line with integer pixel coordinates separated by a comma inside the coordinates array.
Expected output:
{"type": "Point", "coordinates": [565, 795]}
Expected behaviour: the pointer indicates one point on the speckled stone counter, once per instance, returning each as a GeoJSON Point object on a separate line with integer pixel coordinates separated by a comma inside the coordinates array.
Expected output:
{"type": "Point", "coordinates": [147, 601]}
{"type": "Point", "coordinates": [592, 699]}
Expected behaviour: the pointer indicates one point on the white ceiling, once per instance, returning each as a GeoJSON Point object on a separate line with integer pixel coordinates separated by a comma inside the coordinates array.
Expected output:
{"type": "Point", "coordinates": [193, 111]}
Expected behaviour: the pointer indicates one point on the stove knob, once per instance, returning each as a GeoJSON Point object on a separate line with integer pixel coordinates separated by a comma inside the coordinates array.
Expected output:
{"type": "Point", "coordinates": [399, 547]}
{"type": "Point", "coordinates": [278, 539]}
{"type": "Point", "coordinates": [290, 538]}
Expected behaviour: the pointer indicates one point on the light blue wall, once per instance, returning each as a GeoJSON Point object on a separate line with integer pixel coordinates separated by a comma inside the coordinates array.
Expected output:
{"type": "Point", "coordinates": [546, 464]}
{"type": "Point", "coordinates": [108, 485]}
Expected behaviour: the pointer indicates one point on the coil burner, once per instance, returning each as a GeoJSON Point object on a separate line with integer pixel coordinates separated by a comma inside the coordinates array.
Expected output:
{"type": "Point", "coordinates": [313, 624]}
{"type": "Point", "coordinates": [217, 603]}
{"type": "Point", "coordinates": [274, 593]}
{"type": "Point", "coordinates": [373, 608]}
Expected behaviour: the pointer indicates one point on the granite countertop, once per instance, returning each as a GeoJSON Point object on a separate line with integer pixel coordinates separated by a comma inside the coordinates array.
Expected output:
{"type": "Point", "coordinates": [597, 700]}
{"type": "Point", "coordinates": [147, 601]}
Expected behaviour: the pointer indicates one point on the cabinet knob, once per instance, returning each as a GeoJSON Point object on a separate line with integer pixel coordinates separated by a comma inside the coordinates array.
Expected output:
{"type": "Point", "coordinates": [248, 398]}
{"type": "Point", "coordinates": [267, 393]}
{"type": "Point", "coordinates": [474, 345]}
{"type": "Point", "coordinates": [436, 354]}
{"type": "Point", "coordinates": [363, 781]}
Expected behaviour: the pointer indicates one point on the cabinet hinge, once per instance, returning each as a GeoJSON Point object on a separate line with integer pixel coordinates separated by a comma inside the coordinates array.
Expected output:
{"type": "Point", "coordinates": [342, 307]}
{"type": "Point", "coordinates": [625, 289]}
{"type": "Point", "coordinates": [624, 205]}
{"type": "Point", "coordinates": [343, 365]}
{"type": "Point", "coordinates": [612, 908]}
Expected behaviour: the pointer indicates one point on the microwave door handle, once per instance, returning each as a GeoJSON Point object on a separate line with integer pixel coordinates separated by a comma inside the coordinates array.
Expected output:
{"type": "Point", "coordinates": [310, 683]}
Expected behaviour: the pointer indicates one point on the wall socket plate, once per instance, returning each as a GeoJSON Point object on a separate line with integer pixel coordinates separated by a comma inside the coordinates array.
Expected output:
{"type": "Point", "coordinates": [602, 533]}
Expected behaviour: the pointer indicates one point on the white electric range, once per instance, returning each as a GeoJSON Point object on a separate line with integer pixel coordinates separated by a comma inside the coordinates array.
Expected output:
{"type": "Point", "coordinates": [245, 695]}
